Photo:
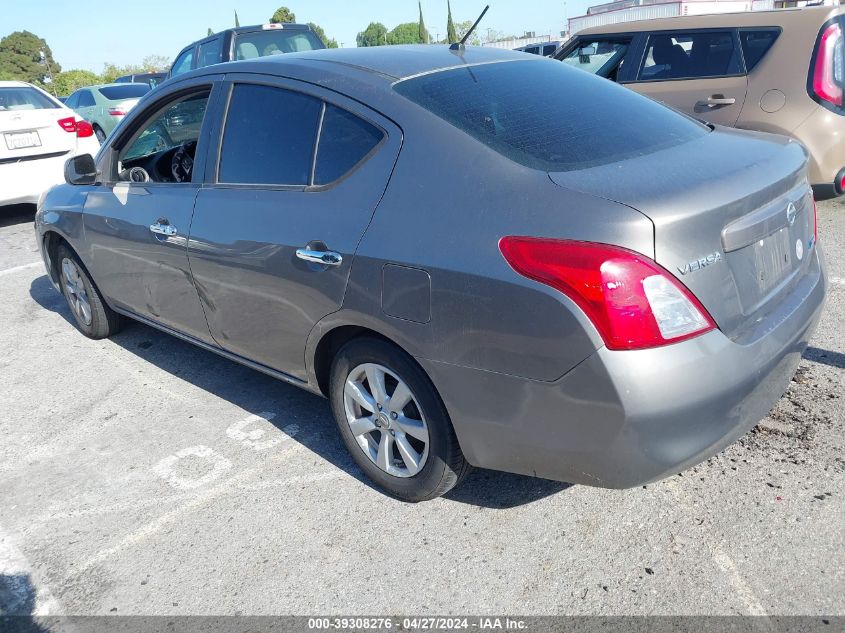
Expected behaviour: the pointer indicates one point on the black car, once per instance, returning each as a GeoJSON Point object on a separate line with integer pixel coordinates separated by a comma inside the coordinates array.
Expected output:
{"type": "Point", "coordinates": [246, 42]}
{"type": "Point", "coordinates": [151, 79]}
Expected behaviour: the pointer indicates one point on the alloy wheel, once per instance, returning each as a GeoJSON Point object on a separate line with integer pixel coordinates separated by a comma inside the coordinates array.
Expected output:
{"type": "Point", "coordinates": [386, 420]}
{"type": "Point", "coordinates": [76, 293]}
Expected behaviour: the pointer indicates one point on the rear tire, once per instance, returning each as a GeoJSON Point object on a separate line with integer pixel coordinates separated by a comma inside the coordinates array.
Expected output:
{"type": "Point", "coordinates": [397, 430]}
{"type": "Point", "coordinates": [92, 316]}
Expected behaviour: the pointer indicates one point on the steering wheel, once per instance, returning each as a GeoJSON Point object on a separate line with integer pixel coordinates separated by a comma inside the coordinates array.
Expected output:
{"type": "Point", "coordinates": [182, 163]}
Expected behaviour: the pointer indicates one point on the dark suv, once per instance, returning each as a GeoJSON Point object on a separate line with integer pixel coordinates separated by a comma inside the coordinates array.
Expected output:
{"type": "Point", "coordinates": [246, 42]}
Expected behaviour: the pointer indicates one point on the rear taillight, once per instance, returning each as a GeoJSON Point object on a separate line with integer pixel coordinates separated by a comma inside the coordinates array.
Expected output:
{"type": "Point", "coordinates": [632, 301]}
{"type": "Point", "coordinates": [68, 124]}
{"type": "Point", "coordinates": [828, 70]}
{"type": "Point", "coordinates": [84, 129]}
{"type": "Point", "coordinates": [118, 111]}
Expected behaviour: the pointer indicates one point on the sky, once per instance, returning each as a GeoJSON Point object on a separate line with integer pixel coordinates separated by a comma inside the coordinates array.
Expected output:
{"type": "Point", "coordinates": [87, 35]}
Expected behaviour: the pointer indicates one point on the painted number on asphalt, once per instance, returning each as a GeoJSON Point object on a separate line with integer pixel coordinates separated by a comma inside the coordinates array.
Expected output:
{"type": "Point", "coordinates": [166, 468]}
{"type": "Point", "coordinates": [252, 438]}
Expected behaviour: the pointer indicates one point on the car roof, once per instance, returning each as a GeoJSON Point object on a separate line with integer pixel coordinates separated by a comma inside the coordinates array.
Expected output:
{"type": "Point", "coordinates": [809, 16]}
{"type": "Point", "coordinates": [390, 62]}
{"type": "Point", "coordinates": [15, 84]}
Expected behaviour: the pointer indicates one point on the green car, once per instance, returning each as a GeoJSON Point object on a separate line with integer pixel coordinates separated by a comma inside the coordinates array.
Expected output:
{"type": "Point", "coordinates": [105, 106]}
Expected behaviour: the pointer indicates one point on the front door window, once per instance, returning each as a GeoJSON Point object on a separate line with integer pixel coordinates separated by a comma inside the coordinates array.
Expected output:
{"type": "Point", "coordinates": [600, 57]}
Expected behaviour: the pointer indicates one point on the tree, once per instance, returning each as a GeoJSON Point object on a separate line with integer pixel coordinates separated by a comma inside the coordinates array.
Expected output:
{"type": "Point", "coordinates": [210, 32]}
{"type": "Point", "coordinates": [330, 43]}
{"type": "Point", "coordinates": [237, 21]}
{"type": "Point", "coordinates": [423, 34]}
{"type": "Point", "coordinates": [463, 27]}
{"type": "Point", "coordinates": [113, 71]}
{"type": "Point", "coordinates": [155, 63]}
{"type": "Point", "coordinates": [283, 14]}
{"type": "Point", "coordinates": [70, 80]}
{"type": "Point", "coordinates": [26, 57]}
{"type": "Point", "coordinates": [451, 34]}
{"type": "Point", "coordinates": [408, 33]}
{"type": "Point", "coordinates": [374, 35]}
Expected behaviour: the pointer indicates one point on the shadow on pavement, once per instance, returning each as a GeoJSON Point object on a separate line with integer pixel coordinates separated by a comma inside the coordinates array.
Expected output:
{"type": "Point", "coordinates": [16, 214]}
{"type": "Point", "coordinates": [257, 393]}
{"type": "Point", "coordinates": [17, 605]}
{"type": "Point", "coordinates": [825, 357]}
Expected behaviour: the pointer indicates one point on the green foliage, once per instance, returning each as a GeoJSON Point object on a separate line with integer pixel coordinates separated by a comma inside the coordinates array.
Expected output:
{"type": "Point", "coordinates": [462, 28]}
{"type": "Point", "coordinates": [283, 14]}
{"type": "Point", "coordinates": [424, 37]}
{"type": "Point", "coordinates": [155, 64]}
{"type": "Point", "coordinates": [20, 59]}
{"type": "Point", "coordinates": [374, 35]}
{"type": "Point", "coordinates": [408, 33]}
{"type": "Point", "coordinates": [451, 33]}
{"type": "Point", "coordinates": [66, 82]}
{"type": "Point", "coordinates": [330, 43]}
{"type": "Point", "coordinates": [210, 32]}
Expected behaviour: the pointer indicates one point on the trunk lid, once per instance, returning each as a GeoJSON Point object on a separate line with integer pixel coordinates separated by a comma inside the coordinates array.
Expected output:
{"type": "Point", "coordinates": [27, 133]}
{"type": "Point", "coordinates": [733, 217]}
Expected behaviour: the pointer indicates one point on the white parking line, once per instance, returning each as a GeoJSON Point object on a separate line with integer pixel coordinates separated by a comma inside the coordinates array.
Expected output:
{"type": "Point", "coordinates": [17, 269]}
{"type": "Point", "coordinates": [18, 574]}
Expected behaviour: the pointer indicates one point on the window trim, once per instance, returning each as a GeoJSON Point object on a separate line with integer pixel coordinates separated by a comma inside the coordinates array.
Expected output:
{"type": "Point", "coordinates": [301, 88]}
{"type": "Point", "coordinates": [670, 32]}
{"type": "Point", "coordinates": [757, 29]}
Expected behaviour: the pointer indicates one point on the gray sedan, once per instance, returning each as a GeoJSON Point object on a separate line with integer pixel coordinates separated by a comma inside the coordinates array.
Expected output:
{"type": "Point", "coordinates": [480, 257]}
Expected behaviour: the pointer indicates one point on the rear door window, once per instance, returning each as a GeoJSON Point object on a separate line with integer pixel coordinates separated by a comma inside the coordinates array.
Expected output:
{"type": "Point", "coordinates": [210, 52]}
{"type": "Point", "coordinates": [86, 99]}
{"type": "Point", "coordinates": [755, 45]}
{"type": "Point", "coordinates": [345, 141]}
{"type": "Point", "coordinates": [548, 116]}
{"type": "Point", "coordinates": [599, 57]}
{"type": "Point", "coordinates": [270, 136]}
{"type": "Point", "coordinates": [690, 56]}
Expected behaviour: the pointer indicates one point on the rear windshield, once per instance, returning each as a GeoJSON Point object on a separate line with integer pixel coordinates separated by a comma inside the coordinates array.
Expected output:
{"type": "Point", "coordinates": [548, 116]}
{"type": "Point", "coordinates": [129, 91]}
{"type": "Point", "coordinates": [275, 42]}
{"type": "Point", "coordinates": [24, 98]}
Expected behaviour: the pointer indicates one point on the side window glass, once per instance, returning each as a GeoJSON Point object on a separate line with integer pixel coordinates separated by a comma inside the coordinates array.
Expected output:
{"type": "Point", "coordinates": [690, 56]}
{"type": "Point", "coordinates": [755, 44]}
{"type": "Point", "coordinates": [210, 53]}
{"type": "Point", "coordinates": [86, 99]}
{"type": "Point", "coordinates": [270, 136]}
{"type": "Point", "coordinates": [169, 136]}
{"type": "Point", "coordinates": [549, 49]}
{"type": "Point", "coordinates": [183, 62]}
{"type": "Point", "coordinates": [600, 57]}
{"type": "Point", "coordinates": [72, 100]}
{"type": "Point", "coordinates": [345, 141]}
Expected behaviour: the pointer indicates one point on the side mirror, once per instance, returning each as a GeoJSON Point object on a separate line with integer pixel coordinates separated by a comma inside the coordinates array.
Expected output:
{"type": "Point", "coordinates": [81, 170]}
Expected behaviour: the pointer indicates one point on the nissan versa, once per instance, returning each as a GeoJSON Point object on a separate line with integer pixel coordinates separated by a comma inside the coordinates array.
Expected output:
{"type": "Point", "coordinates": [480, 257]}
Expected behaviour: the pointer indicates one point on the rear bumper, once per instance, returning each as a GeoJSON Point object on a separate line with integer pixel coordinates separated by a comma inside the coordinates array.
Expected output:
{"type": "Point", "coordinates": [822, 133]}
{"type": "Point", "coordinates": [25, 181]}
{"type": "Point", "coordinates": [621, 419]}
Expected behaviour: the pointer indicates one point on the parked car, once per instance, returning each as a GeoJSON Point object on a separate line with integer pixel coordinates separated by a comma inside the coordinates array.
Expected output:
{"type": "Point", "coordinates": [482, 258]}
{"type": "Point", "coordinates": [151, 79]}
{"type": "Point", "coordinates": [38, 135]}
{"type": "Point", "coordinates": [543, 48]}
{"type": "Point", "coordinates": [105, 106]}
{"type": "Point", "coordinates": [246, 42]}
{"type": "Point", "coordinates": [775, 71]}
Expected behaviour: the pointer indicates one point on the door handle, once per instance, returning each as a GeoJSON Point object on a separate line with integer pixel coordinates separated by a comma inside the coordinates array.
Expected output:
{"type": "Point", "coordinates": [163, 227]}
{"type": "Point", "coordinates": [715, 101]}
{"type": "Point", "coordinates": [327, 258]}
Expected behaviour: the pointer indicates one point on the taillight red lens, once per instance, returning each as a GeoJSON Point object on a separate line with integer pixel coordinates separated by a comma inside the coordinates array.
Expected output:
{"type": "Point", "coordinates": [827, 73]}
{"type": "Point", "coordinates": [118, 111]}
{"type": "Point", "coordinates": [632, 301]}
{"type": "Point", "coordinates": [84, 129]}
{"type": "Point", "coordinates": [68, 124]}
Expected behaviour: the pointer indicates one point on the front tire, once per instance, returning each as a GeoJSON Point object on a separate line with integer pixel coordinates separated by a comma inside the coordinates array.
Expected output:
{"type": "Point", "coordinates": [93, 317]}
{"type": "Point", "coordinates": [392, 421]}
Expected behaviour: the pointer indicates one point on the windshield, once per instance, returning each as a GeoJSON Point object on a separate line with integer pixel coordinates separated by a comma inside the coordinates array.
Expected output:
{"type": "Point", "coordinates": [24, 98]}
{"type": "Point", "coordinates": [126, 91]}
{"type": "Point", "coordinates": [275, 42]}
{"type": "Point", "coordinates": [545, 115]}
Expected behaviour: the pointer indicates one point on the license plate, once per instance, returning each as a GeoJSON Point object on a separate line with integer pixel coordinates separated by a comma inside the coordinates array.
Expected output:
{"type": "Point", "coordinates": [21, 140]}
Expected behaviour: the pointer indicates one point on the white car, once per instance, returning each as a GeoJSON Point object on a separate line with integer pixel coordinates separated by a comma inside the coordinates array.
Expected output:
{"type": "Point", "coordinates": [37, 135]}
